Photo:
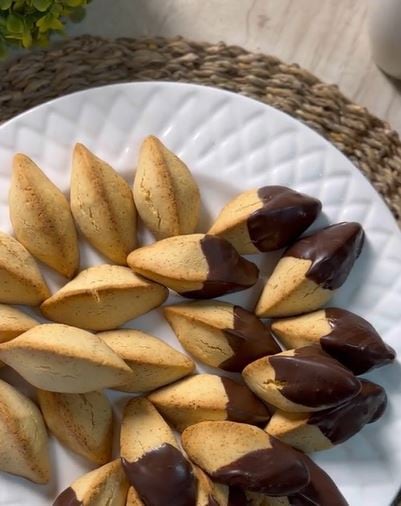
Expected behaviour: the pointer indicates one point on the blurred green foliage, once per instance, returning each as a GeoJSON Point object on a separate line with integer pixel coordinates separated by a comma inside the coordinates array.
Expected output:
{"type": "Point", "coordinates": [27, 23]}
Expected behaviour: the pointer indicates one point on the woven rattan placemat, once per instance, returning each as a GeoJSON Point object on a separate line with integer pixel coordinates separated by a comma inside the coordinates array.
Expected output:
{"type": "Point", "coordinates": [87, 61]}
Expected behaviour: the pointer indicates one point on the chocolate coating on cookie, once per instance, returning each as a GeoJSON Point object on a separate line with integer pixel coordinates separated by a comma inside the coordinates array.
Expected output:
{"type": "Point", "coordinates": [340, 423]}
{"type": "Point", "coordinates": [162, 476]}
{"type": "Point", "coordinates": [321, 489]}
{"type": "Point", "coordinates": [354, 342]}
{"type": "Point", "coordinates": [249, 339]}
{"type": "Point", "coordinates": [312, 378]}
{"type": "Point", "coordinates": [228, 271]}
{"type": "Point", "coordinates": [67, 498]}
{"type": "Point", "coordinates": [332, 251]}
{"type": "Point", "coordinates": [236, 497]}
{"type": "Point", "coordinates": [243, 405]}
{"type": "Point", "coordinates": [278, 470]}
{"type": "Point", "coordinates": [284, 216]}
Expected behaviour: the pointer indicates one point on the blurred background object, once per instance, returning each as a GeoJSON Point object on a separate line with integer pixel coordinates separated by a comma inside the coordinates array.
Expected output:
{"type": "Point", "coordinates": [385, 35]}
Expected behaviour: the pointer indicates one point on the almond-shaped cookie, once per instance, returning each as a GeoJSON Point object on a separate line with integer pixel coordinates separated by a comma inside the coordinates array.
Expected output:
{"type": "Point", "coordinates": [102, 205]}
{"type": "Point", "coordinates": [220, 334]}
{"type": "Point", "coordinates": [102, 298]}
{"type": "Point", "coordinates": [20, 279]}
{"type": "Point", "coordinates": [41, 218]}
{"type": "Point", "coordinates": [166, 195]}
{"type": "Point", "coordinates": [310, 432]}
{"type": "Point", "coordinates": [266, 219]}
{"type": "Point", "coordinates": [64, 359]}
{"type": "Point", "coordinates": [301, 380]}
{"type": "Point", "coordinates": [14, 322]}
{"type": "Point", "coordinates": [197, 266]}
{"type": "Point", "coordinates": [82, 422]}
{"type": "Point", "coordinates": [24, 448]}
{"type": "Point", "coordinates": [208, 397]}
{"type": "Point", "coordinates": [153, 362]}
{"type": "Point", "coordinates": [241, 455]}
{"type": "Point", "coordinates": [105, 485]}
{"type": "Point", "coordinates": [344, 335]}
{"type": "Point", "coordinates": [310, 271]}
{"type": "Point", "coordinates": [152, 460]}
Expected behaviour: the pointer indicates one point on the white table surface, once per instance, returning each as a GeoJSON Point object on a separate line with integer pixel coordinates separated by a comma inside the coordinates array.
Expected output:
{"type": "Point", "coordinates": [327, 37]}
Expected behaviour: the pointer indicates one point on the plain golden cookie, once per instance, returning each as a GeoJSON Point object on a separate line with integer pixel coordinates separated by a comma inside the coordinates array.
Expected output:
{"type": "Point", "coordinates": [24, 448]}
{"type": "Point", "coordinates": [166, 195]}
{"type": "Point", "coordinates": [64, 359]}
{"type": "Point", "coordinates": [102, 298]}
{"type": "Point", "coordinates": [153, 362]}
{"type": "Point", "coordinates": [20, 279]}
{"type": "Point", "coordinates": [41, 218]}
{"type": "Point", "coordinates": [102, 205]}
{"type": "Point", "coordinates": [14, 322]}
{"type": "Point", "coordinates": [82, 422]}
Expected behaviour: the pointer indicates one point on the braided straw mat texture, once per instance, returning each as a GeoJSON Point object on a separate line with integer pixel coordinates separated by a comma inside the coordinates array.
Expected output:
{"type": "Point", "coordinates": [84, 62]}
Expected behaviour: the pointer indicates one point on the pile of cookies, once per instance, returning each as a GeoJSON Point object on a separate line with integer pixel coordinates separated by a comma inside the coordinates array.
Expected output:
{"type": "Point", "coordinates": [244, 439]}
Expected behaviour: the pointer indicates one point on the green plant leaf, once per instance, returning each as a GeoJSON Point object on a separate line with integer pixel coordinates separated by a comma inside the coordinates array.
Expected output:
{"type": "Point", "coordinates": [56, 24]}
{"type": "Point", "coordinates": [14, 24]}
{"type": "Point", "coordinates": [43, 23]}
{"type": "Point", "coordinates": [42, 5]}
{"type": "Point", "coordinates": [5, 4]}
{"type": "Point", "coordinates": [27, 39]}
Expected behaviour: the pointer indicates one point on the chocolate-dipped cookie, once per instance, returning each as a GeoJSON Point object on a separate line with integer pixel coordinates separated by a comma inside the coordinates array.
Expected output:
{"type": "Point", "coordinates": [220, 334]}
{"type": "Point", "coordinates": [310, 432]}
{"type": "Point", "coordinates": [14, 322]}
{"type": "Point", "coordinates": [208, 397]}
{"type": "Point", "coordinates": [197, 266]}
{"type": "Point", "coordinates": [301, 380]}
{"type": "Point", "coordinates": [208, 493]}
{"type": "Point", "coordinates": [311, 270]}
{"type": "Point", "coordinates": [266, 219]}
{"type": "Point", "coordinates": [166, 194]}
{"type": "Point", "coordinates": [41, 217]}
{"type": "Point", "coordinates": [152, 460]}
{"type": "Point", "coordinates": [321, 489]}
{"type": "Point", "coordinates": [24, 448]}
{"type": "Point", "coordinates": [344, 335]}
{"type": "Point", "coordinates": [102, 298]}
{"type": "Point", "coordinates": [152, 361]}
{"type": "Point", "coordinates": [241, 455]}
{"type": "Point", "coordinates": [105, 485]}
{"type": "Point", "coordinates": [64, 359]}
{"type": "Point", "coordinates": [82, 422]}
{"type": "Point", "coordinates": [21, 281]}
{"type": "Point", "coordinates": [102, 205]}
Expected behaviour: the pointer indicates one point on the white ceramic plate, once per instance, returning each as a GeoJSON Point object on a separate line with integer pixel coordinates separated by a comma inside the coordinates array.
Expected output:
{"type": "Point", "coordinates": [231, 143]}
